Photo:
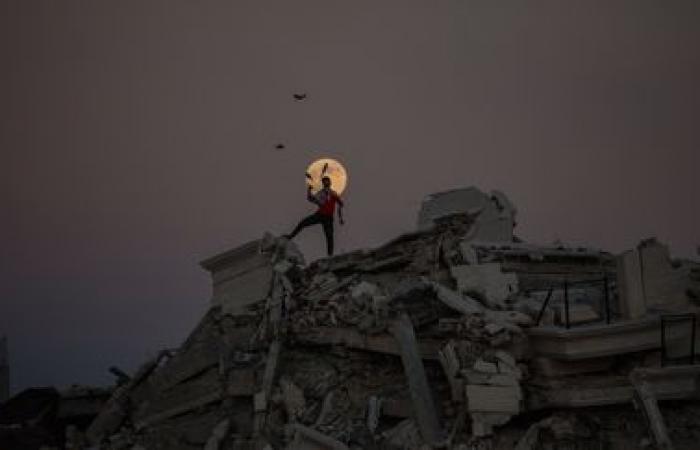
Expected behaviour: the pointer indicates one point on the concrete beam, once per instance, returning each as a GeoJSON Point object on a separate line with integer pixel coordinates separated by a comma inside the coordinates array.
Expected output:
{"type": "Point", "coordinates": [421, 395]}
{"type": "Point", "coordinates": [598, 340]}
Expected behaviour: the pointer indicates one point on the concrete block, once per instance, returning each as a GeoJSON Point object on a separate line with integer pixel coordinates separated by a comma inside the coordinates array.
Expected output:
{"type": "Point", "coordinates": [495, 399]}
{"type": "Point", "coordinates": [240, 277]}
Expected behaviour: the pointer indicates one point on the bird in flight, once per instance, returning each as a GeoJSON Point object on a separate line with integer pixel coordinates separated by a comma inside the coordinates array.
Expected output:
{"type": "Point", "coordinates": [299, 97]}
{"type": "Point", "coordinates": [279, 146]}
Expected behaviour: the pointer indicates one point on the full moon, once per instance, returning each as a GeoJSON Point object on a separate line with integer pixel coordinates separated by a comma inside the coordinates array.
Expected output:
{"type": "Point", "coordinates": [334, 170]}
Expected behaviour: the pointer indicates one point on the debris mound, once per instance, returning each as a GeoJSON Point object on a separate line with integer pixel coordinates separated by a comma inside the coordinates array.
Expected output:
{"type": "Point", "coordinates": [457, 335]}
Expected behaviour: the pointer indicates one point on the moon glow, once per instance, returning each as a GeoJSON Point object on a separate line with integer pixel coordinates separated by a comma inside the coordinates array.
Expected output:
{"type": "Point", "coordinates": [335, 171]}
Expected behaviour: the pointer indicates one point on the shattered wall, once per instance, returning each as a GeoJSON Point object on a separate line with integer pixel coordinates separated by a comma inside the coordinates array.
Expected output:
{"type": "Point", "coordinates": [494, 214]}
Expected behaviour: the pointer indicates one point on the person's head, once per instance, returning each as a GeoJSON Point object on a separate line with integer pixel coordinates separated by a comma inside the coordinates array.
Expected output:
{"type": "Point", "coordinates": [326, 182]}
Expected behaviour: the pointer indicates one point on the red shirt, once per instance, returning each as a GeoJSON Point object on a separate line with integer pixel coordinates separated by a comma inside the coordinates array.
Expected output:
{"type": "Point", "coordinates": [327, 201]}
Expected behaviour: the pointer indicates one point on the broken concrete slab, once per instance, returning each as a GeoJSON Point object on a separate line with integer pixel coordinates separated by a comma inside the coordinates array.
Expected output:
{"type": "Point", "coordinates": [647, 402]}
{"type": "Point", "coordinates": [487, 280]}
{"type": "Point", "coordinates": [494, 215]}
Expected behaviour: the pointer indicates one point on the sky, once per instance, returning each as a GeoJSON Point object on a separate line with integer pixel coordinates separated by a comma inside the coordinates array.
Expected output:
{"type": "Point", "coordinates": [138, 138]}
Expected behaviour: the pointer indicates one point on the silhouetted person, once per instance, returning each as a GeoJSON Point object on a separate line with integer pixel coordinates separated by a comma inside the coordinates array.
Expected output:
{"type": "Point", "coordinates": [326, 200]}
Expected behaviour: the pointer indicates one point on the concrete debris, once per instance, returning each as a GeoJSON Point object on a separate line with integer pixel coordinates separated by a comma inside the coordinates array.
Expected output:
{"type": "Point", "coordinates": [438, 339]}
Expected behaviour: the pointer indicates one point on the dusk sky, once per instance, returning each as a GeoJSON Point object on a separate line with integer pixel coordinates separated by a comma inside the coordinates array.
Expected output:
{"type": "Point", "coordinates": [138, 138]}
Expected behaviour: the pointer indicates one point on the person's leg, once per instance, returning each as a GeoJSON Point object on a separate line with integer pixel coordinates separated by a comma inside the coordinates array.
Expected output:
{"type": "Point", "coordinates": [328, 232]}
{"type": "Point", "coordinates": [305, 222]}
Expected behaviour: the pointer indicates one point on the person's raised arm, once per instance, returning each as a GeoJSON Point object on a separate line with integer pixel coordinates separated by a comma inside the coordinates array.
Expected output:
{"type": "Point", "coordinates": [310, 197]}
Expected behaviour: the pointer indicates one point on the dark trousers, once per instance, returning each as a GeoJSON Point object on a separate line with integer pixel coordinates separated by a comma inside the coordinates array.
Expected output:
{"type": "Point", "coordinates": [316, 218]}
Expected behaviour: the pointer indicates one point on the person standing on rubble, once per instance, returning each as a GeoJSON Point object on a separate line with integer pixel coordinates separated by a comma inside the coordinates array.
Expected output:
{"type": "Point", "coordinates": [326, 199]}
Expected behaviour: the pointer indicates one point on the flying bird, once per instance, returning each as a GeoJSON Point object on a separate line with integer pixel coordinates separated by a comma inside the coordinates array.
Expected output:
{"type": "Point", "coordinates": [299, 97]}
{"type": "Point", "coordinates": [279, 146]}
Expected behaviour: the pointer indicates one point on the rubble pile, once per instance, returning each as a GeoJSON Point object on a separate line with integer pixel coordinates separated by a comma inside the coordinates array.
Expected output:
{"type": "Point", "coordinates": [437, 339]}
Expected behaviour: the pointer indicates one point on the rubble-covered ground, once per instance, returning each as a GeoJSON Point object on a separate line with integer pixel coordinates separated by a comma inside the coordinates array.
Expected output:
{"type": "Point", "coordinates": [424, 342]}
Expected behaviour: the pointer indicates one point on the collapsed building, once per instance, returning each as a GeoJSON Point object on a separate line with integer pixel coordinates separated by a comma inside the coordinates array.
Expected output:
{"type": "Point", "coordinates": [458, 335]}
